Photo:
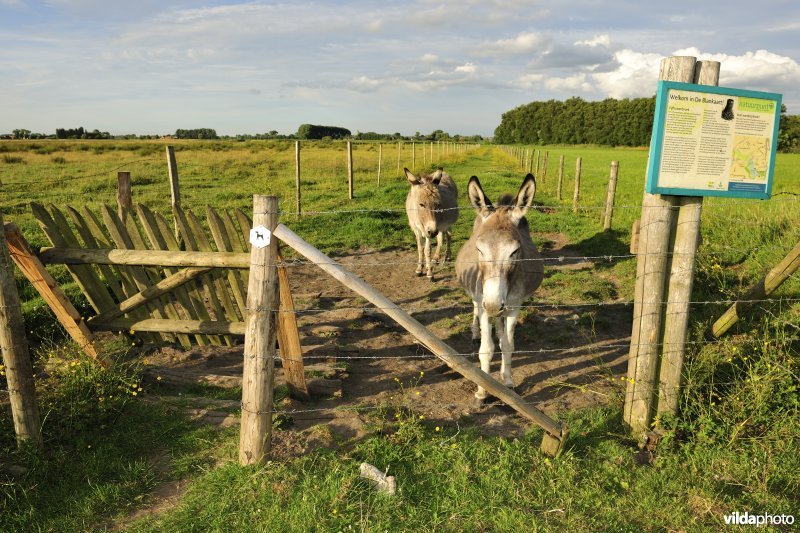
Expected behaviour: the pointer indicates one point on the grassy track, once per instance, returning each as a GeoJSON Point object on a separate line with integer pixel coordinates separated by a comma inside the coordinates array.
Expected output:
{"type": "Point", "coordinates": [734, 447]}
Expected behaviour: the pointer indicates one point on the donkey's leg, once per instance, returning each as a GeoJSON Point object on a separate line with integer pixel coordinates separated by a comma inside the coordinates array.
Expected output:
{"type": "Point", "coordinates": [448, 241]}
{"type": "Point", "coordinates": [486, 350]}
{"type": "Point", "coordinates": [505, 331]}
{"type": "Point", "coordinates": [418, 235]}
{"type": "Point", "coordinates": [428, 264]}
{"type": "Point", "coordinates": [439, 238]}
{"type": "Point", "coordinates": [476, 327]}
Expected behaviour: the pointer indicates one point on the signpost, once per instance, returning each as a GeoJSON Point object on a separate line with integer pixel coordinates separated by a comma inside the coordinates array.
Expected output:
{"type": "Point", "coordinates": [713, 141]}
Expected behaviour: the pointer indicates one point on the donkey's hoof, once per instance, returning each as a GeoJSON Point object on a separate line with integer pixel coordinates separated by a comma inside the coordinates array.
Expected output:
{"type": "Point", "coordinates": [431, 279]}
{"type": "Point", "coordinates": [478, 403]}
{"type": "Point", "coordinates": [418, 272]}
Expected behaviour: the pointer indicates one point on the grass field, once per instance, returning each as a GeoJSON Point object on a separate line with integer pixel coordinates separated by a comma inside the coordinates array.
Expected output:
{"type": "Point", "coordinates": [733, 447]}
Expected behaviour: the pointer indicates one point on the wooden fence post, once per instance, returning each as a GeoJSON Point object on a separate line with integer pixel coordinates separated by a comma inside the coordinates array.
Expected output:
{"type": "Point", "coordinates": [560, 176]}
{"type": "Point", "coordinates": [350, 170]}
{"type": "Point", "coordinates": [413, 157]}
{"type": "Point", "coordinates": [124, 200]}
{"type": "Point", "coordinates": [398, 157]}
{"type": "Point", "coordinates": [686, 237]}
{"type": "Point", "coordinates": [576, 195]}
{"type": "Point", "coordinates": [651, 272]}
{"type": "Point", "coordinates": [538, 158]}
{"type": "Point", "coordinates": [297, 173]}
{"type": "Point", "coordinates": [380, 161]}
{"type": "Point", "coordinates": [544, 167]}
{"type": "Point", "coordinates": [611, 192]}
{"type": "Point", "coordinates": [16, 358]}
{"type": "Point", "coordinates": [260, 338]}
{"type": "Point", "coordinates": [175, 191]}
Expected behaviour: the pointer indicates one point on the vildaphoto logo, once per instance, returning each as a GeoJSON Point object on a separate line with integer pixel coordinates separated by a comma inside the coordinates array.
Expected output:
{"type": "Point", "coordinates": [765, 519]}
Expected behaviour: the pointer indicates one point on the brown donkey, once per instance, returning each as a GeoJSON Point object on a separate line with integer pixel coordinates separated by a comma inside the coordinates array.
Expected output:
{"type": "Point", "coordinates": [500, 267]}
{"type": "Point", "coordinates": [432, 208]}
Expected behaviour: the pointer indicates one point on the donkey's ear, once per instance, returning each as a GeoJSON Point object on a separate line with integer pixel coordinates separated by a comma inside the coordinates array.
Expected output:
{"type": "Point", "coordinates": [414, 180]}
{"type": "Point", "coordinates": [436, 177]}
{"type": "Point", "coordinates": [477, 197]}
{"type": "Point", "coordinates": [524, 198]}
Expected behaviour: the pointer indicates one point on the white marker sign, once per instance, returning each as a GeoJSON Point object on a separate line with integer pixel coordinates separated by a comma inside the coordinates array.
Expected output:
{"type": "Point", "coordinates": [259, 237]}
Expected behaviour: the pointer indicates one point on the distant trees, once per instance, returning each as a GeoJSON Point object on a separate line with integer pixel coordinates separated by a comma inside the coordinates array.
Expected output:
{"type": "Point", "coordinates": [312, 131]}
{"type": "Point", "coordinates": [789, 132]}
{"type": "Point", "coordinates": [197, 133]}
{"type": "Point", "coordinates": [81, 133]}
{"type": "Point", "coordinates": [626, 122]}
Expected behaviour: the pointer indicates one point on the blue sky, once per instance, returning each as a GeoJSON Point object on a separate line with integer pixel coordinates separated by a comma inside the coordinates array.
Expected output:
{"type": "Point", "coordinates": [149, 66]}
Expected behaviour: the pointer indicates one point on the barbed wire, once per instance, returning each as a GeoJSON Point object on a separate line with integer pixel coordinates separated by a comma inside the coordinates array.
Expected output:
{"type": "Point", "coordinates": [69, 178]}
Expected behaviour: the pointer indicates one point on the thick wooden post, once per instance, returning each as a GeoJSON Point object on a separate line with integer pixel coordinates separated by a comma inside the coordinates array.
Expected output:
{"type": "Point", "coordinates": [681, 278]}
{"type": "Point", "coordinates": [350, 170]}
{"type": "Point", "coordinates": [651, 278]}
{"type": "Point", "coordinates": [560, 176]}
{"type": "Point", "coordinates": [297, 173]}
{"type": "Point", "coordinates": [124, 200]}
{"type": "Point", "coordinates": [538, 157]}
{"type": "Point", "coordinates": [16, 358]}
{"type": "Point", "coordinates": [174, 188]}
{"type": "Point", "coordinates": [380, 160]}
{"type": "Point", "coordinates": [576, 195]}
{"type": "Point", "coordinates": [260, 338]}
{"type": "Point", "coordinates": [611, 192]}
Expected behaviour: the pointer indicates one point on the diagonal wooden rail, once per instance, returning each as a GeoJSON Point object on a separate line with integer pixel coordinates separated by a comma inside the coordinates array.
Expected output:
{"type": "Point", "coordinates": [555, 433]}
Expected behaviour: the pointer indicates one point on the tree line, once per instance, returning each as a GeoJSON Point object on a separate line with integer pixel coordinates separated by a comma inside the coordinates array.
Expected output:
{"type": "Point", "coordinates": [611, 122]}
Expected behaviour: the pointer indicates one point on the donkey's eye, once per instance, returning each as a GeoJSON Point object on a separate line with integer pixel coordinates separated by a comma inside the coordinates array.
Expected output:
{"type": "Point", "coordinates": [422, 205]}
{"type": "Point", "coordinates": [515, 254]}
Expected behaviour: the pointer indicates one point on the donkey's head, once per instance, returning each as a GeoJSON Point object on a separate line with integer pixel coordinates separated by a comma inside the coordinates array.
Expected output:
{"type": "Point", "coordinates": [498, 234]}
{"type": "Point", "coordinates": [427, 200]}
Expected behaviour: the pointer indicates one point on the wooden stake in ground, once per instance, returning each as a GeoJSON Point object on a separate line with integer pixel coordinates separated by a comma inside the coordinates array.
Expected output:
{"type": "Point", "coordinates": [398, 157]}
{"type": "Point", "coordinates": [413, 157]}
{"type": "Point", "coordinates": [124, 200]}
{"type": "Point", "coordinates": [349, 170]}
{"type": "Point", "coordinates": [611, 192]}
{"type": "Point", "coordinates": [544, 168]}
{"type": "Point", "coordinates": [174, 188]}
{"type": "Point", "coordinates": [16, 358]}
{"type": "Point", "coordinates": [380, 160]}
{"type": "Point", "coordinates": [560, 176]}
{"type": "Point", "coordinates": [297, 173]}
{"type": "Point", "coordinates": [260, 337]}
{"type": "Point", "coordinates": [576, 195]}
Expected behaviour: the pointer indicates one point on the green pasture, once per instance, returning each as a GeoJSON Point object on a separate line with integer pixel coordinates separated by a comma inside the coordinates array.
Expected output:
{"type": "Point", "coordinates": [732, 448]}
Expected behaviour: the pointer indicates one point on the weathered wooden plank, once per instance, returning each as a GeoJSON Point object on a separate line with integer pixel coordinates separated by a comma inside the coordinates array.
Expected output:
{"type": "Point", "coordinates": [235, 237]}
{"type": "Point", "coordinates": [101, 240]}
{"type": "Point", "coordinates": [84, 276]}
{"type": "Point", "coordinates": [151, 293]}
{"type": "Point", "coordinates": [193, 290]}
{"type": "Point", "coordinates": [50, 292]}
{"type": "Point", "coordinates": [211, 283]}
{"type": "Point", "coordinates": [224, 245]}
{"type": "Point", "coordinates": [180, 327]}
{"type": "Point", "coordinates": [136, 258]}
{"type": "Point", "coordinates": [222, 286]}
{"type": "Point", "coordinates": [122, 239]}
{"type": "Point", "coordinates": [158, 242]}
{"type": "Point", "coordinates": [289, 338]}
{"type": "Point", "coordinates": [16, 357]}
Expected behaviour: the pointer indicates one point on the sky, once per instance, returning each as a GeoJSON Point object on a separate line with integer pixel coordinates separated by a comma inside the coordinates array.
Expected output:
{"type": "Point", "coordinates": [154, 66]}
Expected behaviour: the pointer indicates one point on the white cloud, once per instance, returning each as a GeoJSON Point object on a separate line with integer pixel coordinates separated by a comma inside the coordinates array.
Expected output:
{"type": "Point", "coordinates": [760, 68]}
{"type": "Point", "coordinates": [467, 68]}
{"type": "Point", "coordinates": [597, 40]}
{"type": "Point", "coordinates": [365, 84]}
{"type": "Point", "coordinates": [523, 43]}
{"type": "Point", "coordinates": [429, 58]}
{"type": "Point", "coordinates": [12, 3]}
{"type": "Point", "coordinates": [577, 82]}
{"type": "Point", "coordinates": [635, 75]}
{"type": "Point", "coordinates": [527, 81]}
